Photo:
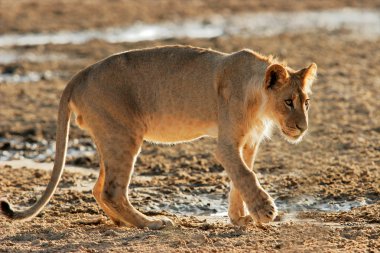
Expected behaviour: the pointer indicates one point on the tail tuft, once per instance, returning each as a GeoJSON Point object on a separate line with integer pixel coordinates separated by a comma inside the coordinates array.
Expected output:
{"type": "Point", "coordinates": [6, 209]}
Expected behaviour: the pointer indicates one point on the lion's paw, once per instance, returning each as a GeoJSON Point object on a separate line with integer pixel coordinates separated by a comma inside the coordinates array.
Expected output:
{"type": "Point", "coordinates": [161, 223]}
{"type": "Point", "coordinates": [241, 221]}
{"type": "Point", "coordinates": [263, 209]}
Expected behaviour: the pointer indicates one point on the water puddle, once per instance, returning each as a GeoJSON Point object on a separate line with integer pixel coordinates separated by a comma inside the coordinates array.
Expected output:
{"type": "Point", "coordinates": [30, 164]}
{"type": "Point", "coordinates": [8, 57]}
{"type": "Point", "coordinates": [10, 73]}
{"type": "Point", "coordinates": [293, 206]}
{"type": "Point", "coordinates": [309, 203]}
{"type": "Point", "coordinates": [361, 23]}
{"type": "Point", "coordinates": [183, 203]}
{"type": "Point", "coordinates": [41, 151]}
{"type": "Point", "coordinates": [30, 77]}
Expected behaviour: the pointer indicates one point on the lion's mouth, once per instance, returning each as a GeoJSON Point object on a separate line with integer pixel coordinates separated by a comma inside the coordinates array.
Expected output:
{"type": "Point", "coordinates": [292, 133]}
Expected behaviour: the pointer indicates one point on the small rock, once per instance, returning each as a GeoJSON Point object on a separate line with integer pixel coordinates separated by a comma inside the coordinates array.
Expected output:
{"type": "Point", "coordinates": [110, 233]}
{"type": "Point", "coordinates": [239, 243]}
{"type": "Point", "coordinates": [218, 244]}
{"type": "Point", "coordinates": [199, 237]}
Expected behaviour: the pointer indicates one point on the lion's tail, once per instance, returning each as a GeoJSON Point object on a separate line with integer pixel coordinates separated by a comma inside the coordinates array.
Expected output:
{"type": "Point", "coordinates": [63, 125]}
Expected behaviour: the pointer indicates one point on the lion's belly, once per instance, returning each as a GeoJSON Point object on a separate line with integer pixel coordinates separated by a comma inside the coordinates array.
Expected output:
{"type": "Point", "coordinates": [172, 130]}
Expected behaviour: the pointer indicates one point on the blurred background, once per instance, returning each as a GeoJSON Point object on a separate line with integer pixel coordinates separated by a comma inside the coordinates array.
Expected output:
{"type": "Point", "coordinates": [332, 176]}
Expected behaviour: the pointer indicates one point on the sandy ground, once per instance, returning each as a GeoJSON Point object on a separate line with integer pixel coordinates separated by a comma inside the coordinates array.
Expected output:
{"type": "Point", "coordinates": [337, 162]}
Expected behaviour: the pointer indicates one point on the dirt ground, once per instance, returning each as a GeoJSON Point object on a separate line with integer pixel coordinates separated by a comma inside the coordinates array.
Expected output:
{"type": "Point", "coordinates": [327, 187]}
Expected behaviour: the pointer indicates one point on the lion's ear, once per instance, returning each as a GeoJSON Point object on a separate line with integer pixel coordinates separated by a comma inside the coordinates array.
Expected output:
{"type": "Point", "coordinates": [308, 75]}
{"type": "Point", "coordinates": [275, 76]}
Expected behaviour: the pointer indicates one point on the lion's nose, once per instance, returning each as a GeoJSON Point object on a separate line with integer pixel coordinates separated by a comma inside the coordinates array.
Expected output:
{"type": "Point", "coordinates": [301, 127]}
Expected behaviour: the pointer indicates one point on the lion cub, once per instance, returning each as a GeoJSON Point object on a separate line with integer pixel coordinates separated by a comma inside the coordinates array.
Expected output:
{"type": "Point", "coordinates": [173, 94]}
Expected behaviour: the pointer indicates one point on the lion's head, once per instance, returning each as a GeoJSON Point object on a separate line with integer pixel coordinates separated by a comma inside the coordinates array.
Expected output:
{"type": "Point", "coordinates": [288, 98]}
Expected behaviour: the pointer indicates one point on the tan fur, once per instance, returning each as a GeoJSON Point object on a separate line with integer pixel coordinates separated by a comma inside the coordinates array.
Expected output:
{"type": "Point", "coordinates": [174, 94]}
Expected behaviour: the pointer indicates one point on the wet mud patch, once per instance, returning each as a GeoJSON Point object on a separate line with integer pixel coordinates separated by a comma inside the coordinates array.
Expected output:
{"type": "Point", "coordinates": [81, 152]}
{"type": "Point", "coordinates": [368, 214]}
{"type": "Point", "coordinates": [29, 77]}
{"type": "Point", "coordinates": [150, 194]}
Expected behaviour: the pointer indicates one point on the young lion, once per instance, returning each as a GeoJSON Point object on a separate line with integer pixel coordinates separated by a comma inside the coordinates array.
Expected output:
{"type": "Point", "coordinates": [173, 94]}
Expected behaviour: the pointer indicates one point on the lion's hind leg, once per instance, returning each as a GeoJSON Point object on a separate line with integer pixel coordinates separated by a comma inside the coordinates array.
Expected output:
{"type": "Point", "coordinates": [119, 150]}
{"type": "Point", "coordinates": [97, 192]}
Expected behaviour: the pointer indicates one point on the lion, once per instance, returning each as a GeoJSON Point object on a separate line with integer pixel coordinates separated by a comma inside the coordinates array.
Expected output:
{"type": "Point", "coordinates": [174, 94]}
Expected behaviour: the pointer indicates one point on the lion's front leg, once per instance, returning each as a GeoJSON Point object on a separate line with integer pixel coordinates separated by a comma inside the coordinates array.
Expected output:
{"type": "Point", "coordinates": [260, 205]}
{"type": "Point", "coordinates": [236, 210]}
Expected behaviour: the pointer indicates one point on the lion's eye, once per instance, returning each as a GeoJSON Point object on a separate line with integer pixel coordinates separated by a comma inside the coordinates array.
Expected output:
{"type": "Point", "coordinates": [307, 104]}
{"type": "Point", "coordinates": [289, 103]}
